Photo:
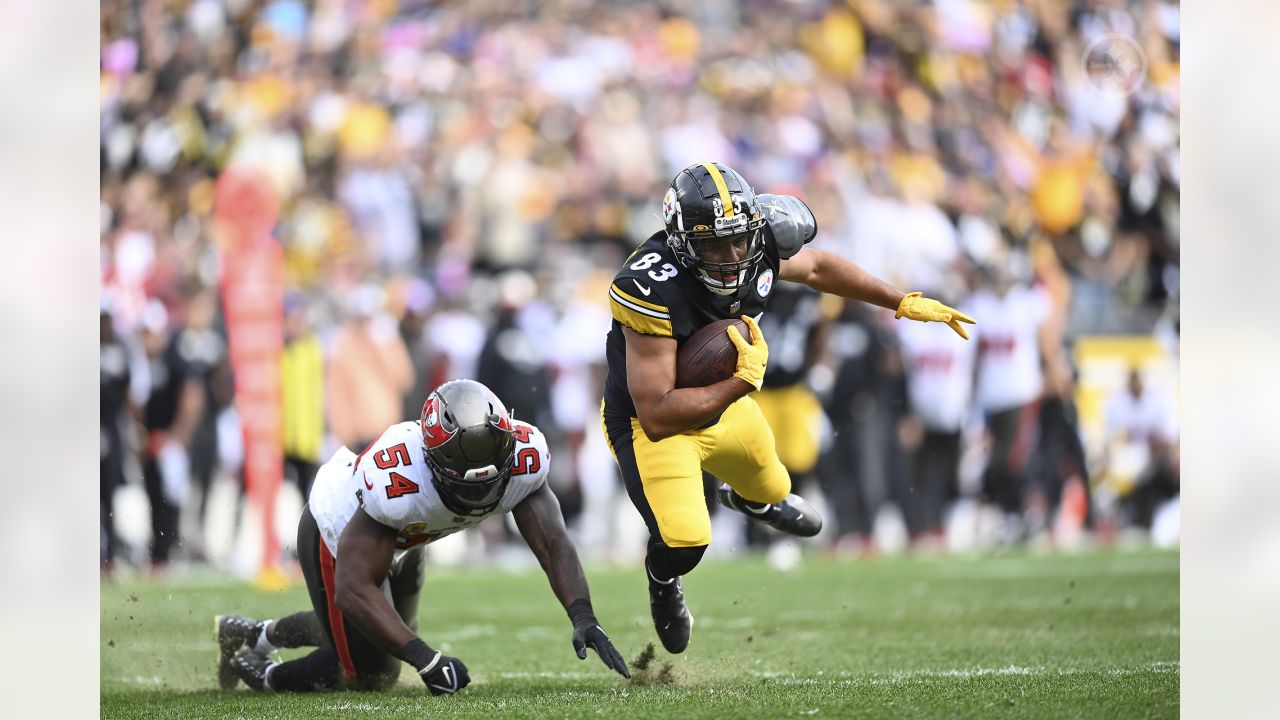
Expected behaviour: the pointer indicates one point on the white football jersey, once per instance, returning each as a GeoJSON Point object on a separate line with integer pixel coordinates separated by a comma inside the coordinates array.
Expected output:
{"type": "Point", "coordinates": [939, 369]}
{"type": "Point", "coordinates": [1009, 374]}
{"type": "Point", "coordinates": [392, 482]}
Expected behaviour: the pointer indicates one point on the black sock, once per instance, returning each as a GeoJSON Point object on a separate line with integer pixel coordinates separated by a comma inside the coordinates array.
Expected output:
{"type": "Point", "coordinates": [766, 511]}
{"type": "Point", "coordinates": [319, 670]}
{"type": "Point", "coordinates": [300, 629]}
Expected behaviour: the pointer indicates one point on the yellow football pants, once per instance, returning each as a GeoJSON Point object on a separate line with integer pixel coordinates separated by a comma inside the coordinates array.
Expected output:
{"type": "Point", "coordinates": [664, 478]}
{"type": "Point", "coordinates": [793, 414]}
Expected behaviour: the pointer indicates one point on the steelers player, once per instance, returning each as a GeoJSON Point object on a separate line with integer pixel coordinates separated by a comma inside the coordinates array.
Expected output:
{"type": "Point", "coordinates": [797, 323]}
{"type": "Point", "coordinates": [719, 256]}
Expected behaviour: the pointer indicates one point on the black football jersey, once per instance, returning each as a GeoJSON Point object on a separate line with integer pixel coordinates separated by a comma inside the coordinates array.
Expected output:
{"type": "Point", "coordinates": [653, 294]}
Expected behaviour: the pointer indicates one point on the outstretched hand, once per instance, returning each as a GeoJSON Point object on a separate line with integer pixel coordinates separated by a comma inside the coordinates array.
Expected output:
{"type": "Point", "coordinates": [915, 306]}
{"type": "Point", "coordinates": [593, 636]}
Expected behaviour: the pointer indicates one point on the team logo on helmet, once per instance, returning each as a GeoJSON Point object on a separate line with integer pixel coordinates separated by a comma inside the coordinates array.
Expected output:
{"type": "Point", "coordinates": [433, 433]}
{"type": "Point", "coordinates": [669, 205]}
{"type": "Point", "coordinates": [765, 283]}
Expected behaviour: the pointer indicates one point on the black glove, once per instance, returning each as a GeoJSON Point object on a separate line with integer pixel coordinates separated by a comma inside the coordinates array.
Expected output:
{"type": "Point", "coordinates": [446, 676]}
{"type": "Point", "coordinates": [443, 674]}
{"type": "Point", "coordinates": [587, 633]}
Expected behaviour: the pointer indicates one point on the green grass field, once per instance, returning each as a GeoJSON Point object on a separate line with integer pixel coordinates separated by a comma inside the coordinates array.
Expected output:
{"type": "Point", "coordinates": [1035, 636]}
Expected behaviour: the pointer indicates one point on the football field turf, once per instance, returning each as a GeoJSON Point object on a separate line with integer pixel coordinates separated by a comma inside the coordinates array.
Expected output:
{"type": "Point", "coordinates": [1091, 635]}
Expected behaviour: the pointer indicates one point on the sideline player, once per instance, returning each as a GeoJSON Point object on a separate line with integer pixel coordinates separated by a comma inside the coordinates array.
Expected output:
{"type": "Point", "coordinates": [361, 541]}
{"type": "Point", "coordinates": [722, 250]}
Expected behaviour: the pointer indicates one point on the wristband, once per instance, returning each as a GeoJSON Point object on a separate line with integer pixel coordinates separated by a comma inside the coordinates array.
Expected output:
{"type": "Point", "coordinates": [580, 613]}
{"type": "Point", "coordinates": [420, 656]}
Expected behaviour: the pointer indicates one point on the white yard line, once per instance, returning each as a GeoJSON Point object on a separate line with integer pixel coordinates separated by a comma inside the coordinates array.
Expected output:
{"type": "Point", "coordinates": [847, 678]}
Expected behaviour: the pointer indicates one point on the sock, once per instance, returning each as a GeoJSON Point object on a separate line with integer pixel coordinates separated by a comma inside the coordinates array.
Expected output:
{"type": "Point", "coordinates": [301, 629]}
{"type": "Point", "coordinates": [266, 677]}
{"type": "Point", "coordinates": [319, 670]}
{"type": "Point", "coordinates": [755, 508]}
{"type": "Point", "coordinates": [263, 645]}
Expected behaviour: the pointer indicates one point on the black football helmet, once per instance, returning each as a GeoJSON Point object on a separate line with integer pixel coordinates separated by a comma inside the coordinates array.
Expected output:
{"type": "Point", "coordinates": [467, 436]}
{"type": "Point", "coordinates": [711, 204]}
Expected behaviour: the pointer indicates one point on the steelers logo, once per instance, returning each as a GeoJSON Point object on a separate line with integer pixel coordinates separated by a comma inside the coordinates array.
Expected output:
{"type": "Point", "coordinates": [669, 205]}
{"type": "Point", "coordinates": [1114, 64]}
{"type": "Point", "coordinates": [765, 284]}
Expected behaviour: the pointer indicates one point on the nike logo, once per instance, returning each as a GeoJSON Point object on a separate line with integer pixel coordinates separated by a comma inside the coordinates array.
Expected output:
{"type": "Point", "coordinates": [642, 288]}
{"type": "Point", "coordinates": [450, 678]}
{"type": "Point", "coordinates": [368, 485]}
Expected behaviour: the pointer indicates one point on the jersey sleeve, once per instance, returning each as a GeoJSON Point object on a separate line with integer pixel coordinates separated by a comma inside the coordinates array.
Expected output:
{"type": "Point", "coordinates": [391, 495]}
{"type": "Point", "coordinates": [639, 304]}
{"type": "Point", "coordinates": [532, 465]}
{"type": "Point", "coordinates": [537, 460]}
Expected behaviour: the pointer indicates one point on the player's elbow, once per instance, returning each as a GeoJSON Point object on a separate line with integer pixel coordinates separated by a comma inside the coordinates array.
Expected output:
{"type": "Point", "coordinates": [654, 429]}
{"type": "Point", "coordinates": [346, 596]}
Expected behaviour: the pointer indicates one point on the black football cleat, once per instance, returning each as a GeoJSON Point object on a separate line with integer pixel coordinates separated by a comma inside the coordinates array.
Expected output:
{"type": "Point", "coordinates": [232, 632]}
{"type": "Point", "coordinates": [252, 666]}
{"type": "Point", "coordinates": [671, 616]}
{"type": "Point", "coordinates": [792, 516]}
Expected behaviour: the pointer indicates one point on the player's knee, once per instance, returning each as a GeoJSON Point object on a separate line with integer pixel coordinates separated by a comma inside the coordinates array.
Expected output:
{"type": "Point", "coordinates": [379, 680]}
{"type": "Point", "coordinates": [770, 486]}
{"type": "Point", "coordinates": [668, 562]}
{"type": "Point", "coordinates": [684, 528]}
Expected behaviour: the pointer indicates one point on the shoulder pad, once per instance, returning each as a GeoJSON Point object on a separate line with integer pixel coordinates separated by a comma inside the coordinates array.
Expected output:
{"type": "Point", "coordinates": [791, 222]}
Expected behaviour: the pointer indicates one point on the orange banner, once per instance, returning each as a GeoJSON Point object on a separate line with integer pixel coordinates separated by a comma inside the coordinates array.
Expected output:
{"type": "Point", "coordinates": [252, 294]}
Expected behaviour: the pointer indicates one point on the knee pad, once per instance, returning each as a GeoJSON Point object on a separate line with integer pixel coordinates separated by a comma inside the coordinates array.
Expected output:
{"type": "Point", "coordinates": [685, 527]}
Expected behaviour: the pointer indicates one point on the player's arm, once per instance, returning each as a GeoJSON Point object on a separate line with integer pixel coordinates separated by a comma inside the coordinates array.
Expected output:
{"type": "Point", "coordinates": [364, 559]}
{"type": "Point", "coordinates": [830, 273]}
{"type": "Point", "coordinates": [664, 410]}
{"type": "Point", "coordinates": [541, 524]}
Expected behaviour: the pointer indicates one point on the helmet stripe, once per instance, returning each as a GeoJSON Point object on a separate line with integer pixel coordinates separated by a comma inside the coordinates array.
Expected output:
{"type": "Point", "coordinates": [718, 179]}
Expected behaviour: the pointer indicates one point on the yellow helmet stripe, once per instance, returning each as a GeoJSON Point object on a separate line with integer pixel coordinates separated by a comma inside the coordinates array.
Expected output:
{"type": "Point", "coordinates": [718, 179]}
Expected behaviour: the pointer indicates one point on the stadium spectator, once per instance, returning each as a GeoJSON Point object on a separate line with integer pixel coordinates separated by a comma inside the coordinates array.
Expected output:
{"type": "Point", "coordinates": [115, 415]}
{"type": "Point", "coordinates": [174, 409]}
{"type": "Point", "coordinates": [939, 375]}
{"type": "Point", "coordinates": [368, 372]}
{"type": "Point", "coordinates": [1141, 442]}
{"type": "Point", "coordinates": [1009, 385]}
{"type": "Point", "coordinates": [302, 375]}
{"type": "Point", "coordinates": [849, 469]}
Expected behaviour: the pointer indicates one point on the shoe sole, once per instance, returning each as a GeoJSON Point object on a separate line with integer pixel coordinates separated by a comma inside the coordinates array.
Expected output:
{"type": "Point", "coordinates": [227, 678]}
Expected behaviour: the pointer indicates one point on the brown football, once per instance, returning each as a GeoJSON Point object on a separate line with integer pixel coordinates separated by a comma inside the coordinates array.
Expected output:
{"type": "Point", "coordinates": [709, 356]}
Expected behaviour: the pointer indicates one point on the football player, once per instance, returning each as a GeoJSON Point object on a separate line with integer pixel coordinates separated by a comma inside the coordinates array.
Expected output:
{"type": "Point", "coordinates": [721, 253]}
{"type": "Point", "coordinates": [361, 541]}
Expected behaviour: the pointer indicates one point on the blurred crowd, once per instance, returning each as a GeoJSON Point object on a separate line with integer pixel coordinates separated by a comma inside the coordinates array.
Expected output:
{"type": "Point", "coordinates": [459, 181]}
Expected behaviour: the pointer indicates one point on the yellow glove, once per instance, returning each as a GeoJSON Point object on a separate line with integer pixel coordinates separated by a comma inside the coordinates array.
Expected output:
{"type": "Point", "coordinates": [752, 356]}
{"type": "Point", "coordinates": [916, 306]}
